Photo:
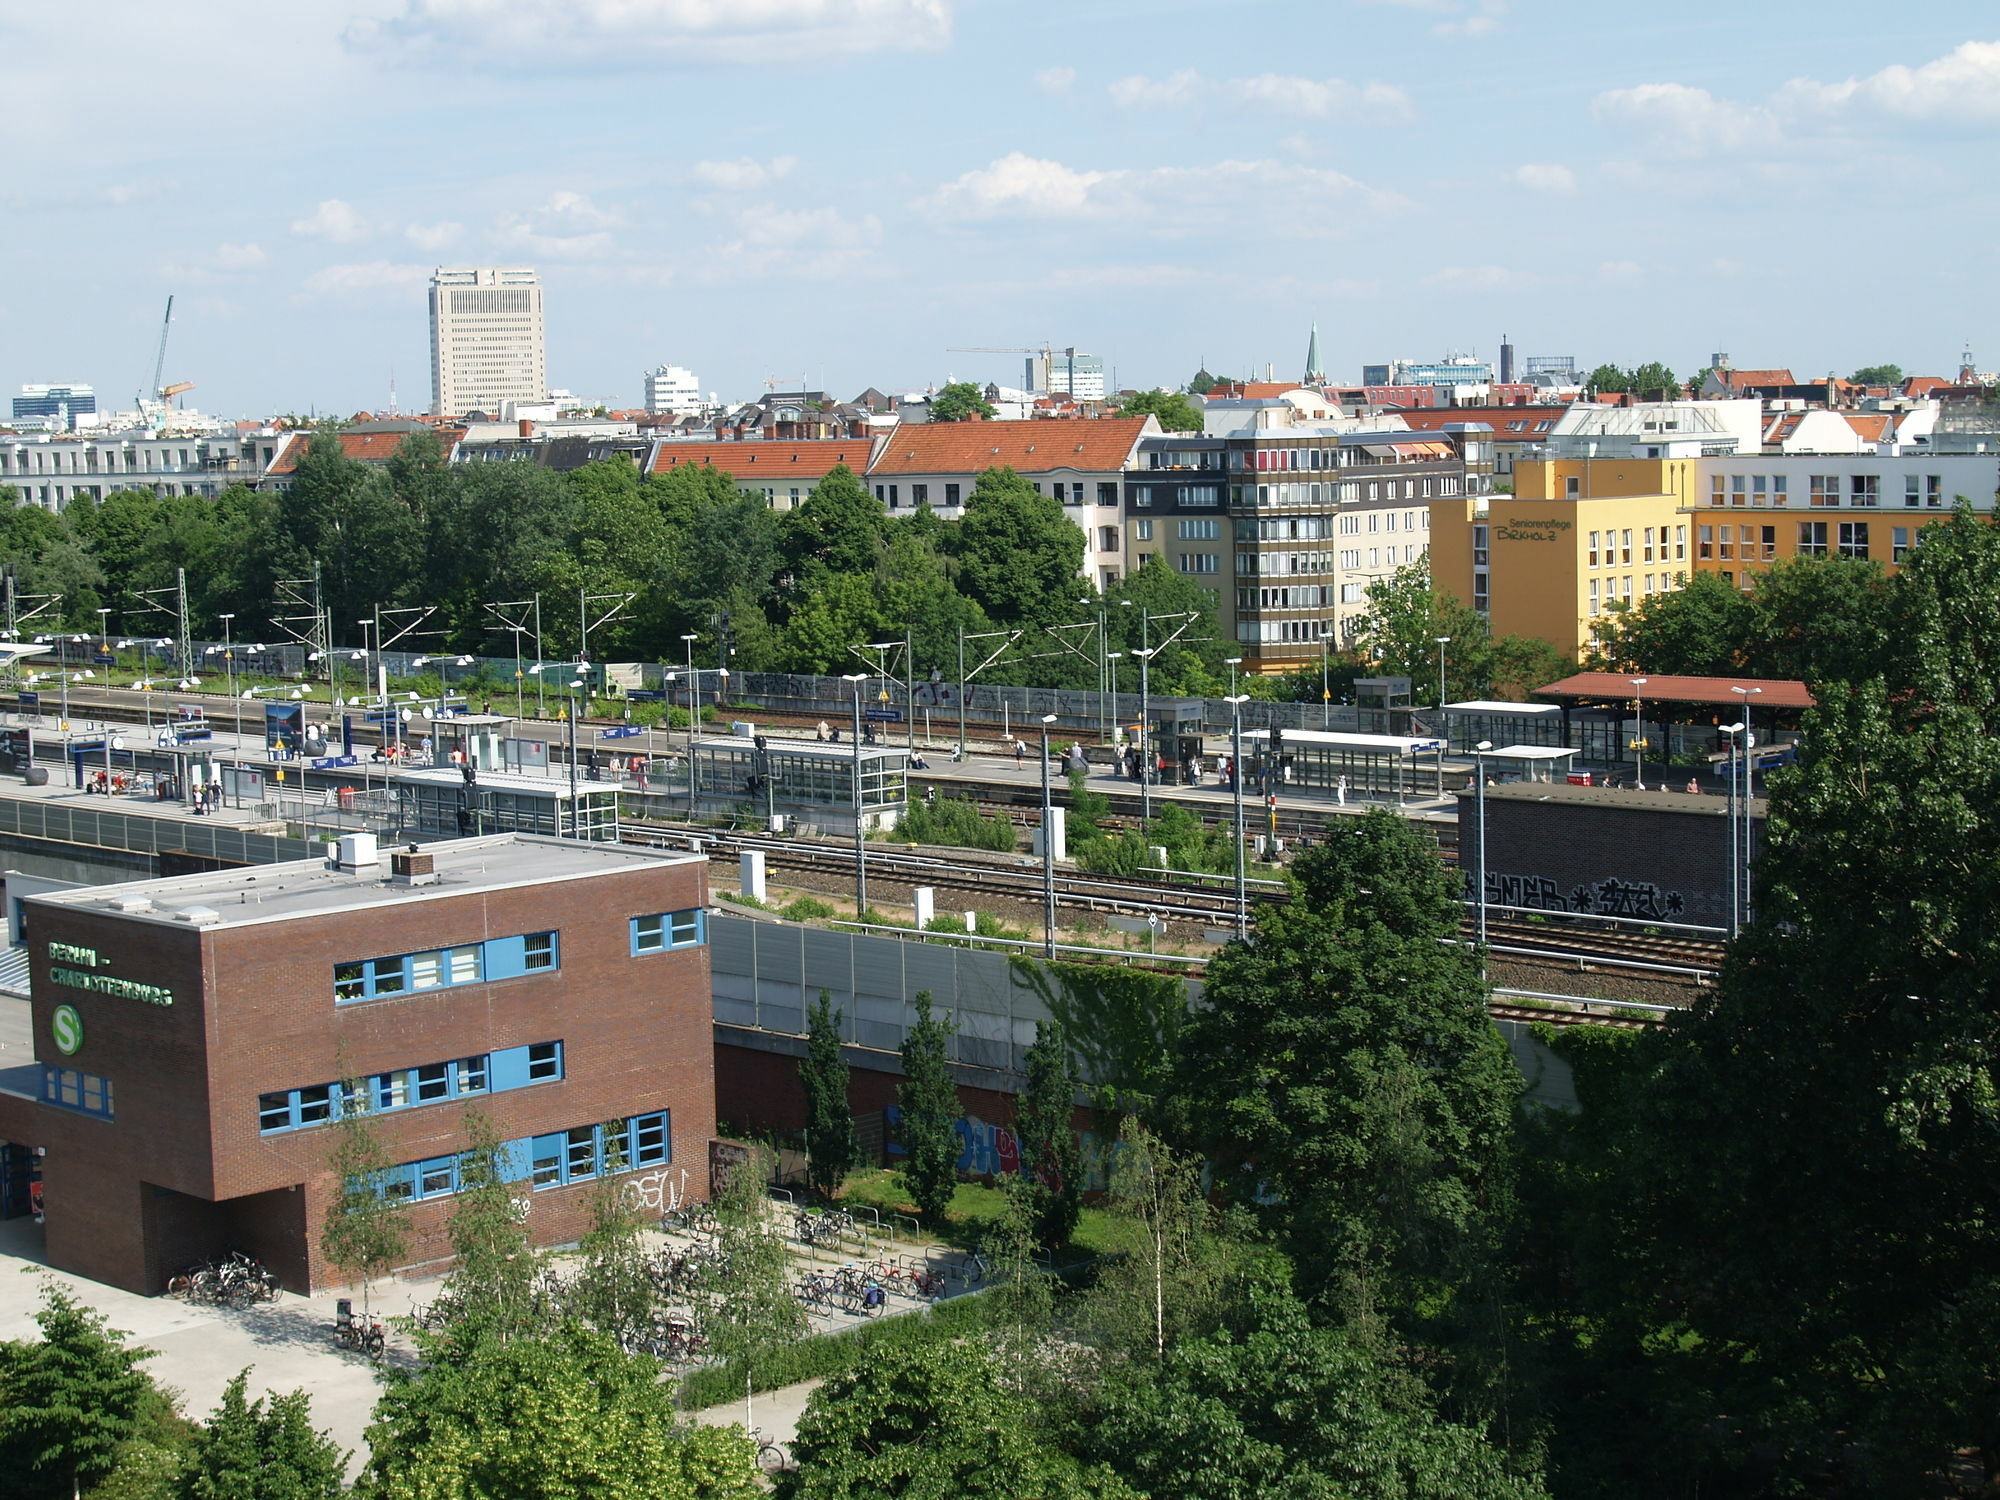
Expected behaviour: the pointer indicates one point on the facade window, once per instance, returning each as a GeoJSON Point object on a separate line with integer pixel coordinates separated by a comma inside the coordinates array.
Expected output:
{"type": "Point", "coordinates": [1593, 549]}
{"type": "Point", "coordinates": [1646, 547]}
{"type": "Point", "coordinates": [1142, 530]}
{"type": "Point", "coordinates": [920, 494]}
{"type": "Point", "coordinates": [674, 929]}
{"type": "Point", "coordinates": [441, 968]}
{"type": "Point", "coordinates": [1738, 486]}
{"type": "Point", "coordinates": [1780, 490]}
{"type": "Point", "coordinates": [1854, 538]}
{"type": "Point", "coordinates": [1572, 487]}
{"type": "Point", "coordinates": [86, 1093]}
{"type": "Point", "coordinates": [1933, 490]}
{"type": "Point", "coordinates": [1107, 493]}
{"type": "Point", "coordinates": [951, 494]}
{"type": "Point", "coordinates": [406, 1088]}
{"type": "Point", "coordinates": [1812, 538]}
{"type": "Point", "coordinates": [544, 1061]}
{"type": "Point", "coordinates": [1141, 496]}
{"type": "Point", "coordinates": [1680, 543]}
{"type": "Point", "coordinates": [1200, 562]}
{"type": "Point", "coordinates": [1767, 543]}
{"type": "Point", "coordinates": [1718, 489]}
{"type": "Point", "coordinates": [1725, 543]}
{"type": "Point", "coordinates": [1199, 531]}
{"type": "Point", "coordinates": [1864, 489]}
{"type": "Point", "coordinates": [1913, 490]}
{"type": "Point", "coordinates": [1704, 543]}
{"type": "Point", "coordinates": [1899, 540]}
{"type": "Point", "coordinates": [1823, 489]}
{"type": "Point", "coordinates": [1625, 553]}
{"type": "Point", "coordinates": [1593, 596]}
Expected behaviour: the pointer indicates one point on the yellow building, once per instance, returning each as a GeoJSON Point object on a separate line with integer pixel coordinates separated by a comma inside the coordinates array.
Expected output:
{"type": "Point", "coordinates": [1576, 535]}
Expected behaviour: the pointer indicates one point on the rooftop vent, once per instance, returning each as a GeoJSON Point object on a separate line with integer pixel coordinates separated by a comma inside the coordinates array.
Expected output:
{"type": "Point", "coordinates": [355, 850]}
{"type": "Point", "coordinates": [198, 916]}
{"type": "Point", "coordinates": [131, 903]}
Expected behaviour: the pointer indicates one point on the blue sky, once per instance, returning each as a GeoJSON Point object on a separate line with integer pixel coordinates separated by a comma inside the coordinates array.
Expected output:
{"type": "Point", "coordinates": [843, 189]}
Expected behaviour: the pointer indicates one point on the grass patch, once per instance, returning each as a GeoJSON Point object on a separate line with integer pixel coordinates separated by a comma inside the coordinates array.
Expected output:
{"type": "Point", "coordinates": [805, 909]}
{"type": "Point", "coordinates": [975, 1208]}
{"type": "Point", "coordinates": [834, 1353]}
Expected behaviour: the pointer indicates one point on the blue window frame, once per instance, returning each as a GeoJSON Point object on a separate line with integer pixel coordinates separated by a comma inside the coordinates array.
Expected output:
{"type": "Point", "coordinates": [664, 930]}
{"type": "Point", "coordinates": [86, 1093]}
{"type": "Point", "coordinates": [445, 968]}
{"type": "Point", "coordinates": [409, 1088]}
{"type": "Point", "coordinates": [557, 1160]}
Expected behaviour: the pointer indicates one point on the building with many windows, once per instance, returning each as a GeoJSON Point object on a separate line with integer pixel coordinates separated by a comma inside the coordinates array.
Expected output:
{"type": "Point", "coordinates": [486, 339]}
{"type": "Point", "coordinates": [58, 405]}
{"type": "Point", "coordinates": [199, 1039]}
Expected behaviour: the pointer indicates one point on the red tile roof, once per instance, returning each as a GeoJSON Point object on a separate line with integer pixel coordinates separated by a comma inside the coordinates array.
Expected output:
{"type": "Point", "coordinates": [1923, 385]}
{"type": "Point", "coordinates": [1515, 422]}
{"type": "Point", "coordinates": [1872, 426]}
{"type": "Point", "coordinates": [364, 447]}
{"type": "Point", "coordinates": [1740, 378]}
{"type": "Point", "coordinates": [1030, 447]}
{"type": "Point", "coordinates": [807, 460]}
{"type": "Point", "coordinates": [1617, 687]}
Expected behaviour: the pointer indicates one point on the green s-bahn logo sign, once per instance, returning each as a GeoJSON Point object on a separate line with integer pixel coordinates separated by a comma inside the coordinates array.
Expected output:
{"type": "Point", "coordinates": [67, 1028]}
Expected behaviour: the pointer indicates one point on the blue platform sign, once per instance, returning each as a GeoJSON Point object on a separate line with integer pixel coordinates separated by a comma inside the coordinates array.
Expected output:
{"type": "Point", "coordinates": [883, 715]}
{"type": "Point", "coordinates": [619, 732]}
{"type": "Point", "coordinates": [30, 700]}
{"type": "Point", "coordinates": [334, 762]}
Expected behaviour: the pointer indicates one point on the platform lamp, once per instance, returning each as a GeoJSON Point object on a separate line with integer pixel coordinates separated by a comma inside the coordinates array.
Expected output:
{"type": "Point", "coordinates": [1236, 703]}
{"type": "Point", "coordinates": [854, 681]}
{"type": "Point", "coordinates": [1442, 642]}
{"type": "Point", "coordinates": [1739, 844]}
{"type": "Point", "coordinates": [1048, 850]}
{"type": "Point", "coordinates": [1639, 740]}
{"type": "Point", "coordinates": [1479, 753]}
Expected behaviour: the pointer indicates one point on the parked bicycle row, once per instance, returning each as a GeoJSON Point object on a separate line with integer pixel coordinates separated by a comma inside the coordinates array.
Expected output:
{"type": "Point", "coordinates": [234, 1281]}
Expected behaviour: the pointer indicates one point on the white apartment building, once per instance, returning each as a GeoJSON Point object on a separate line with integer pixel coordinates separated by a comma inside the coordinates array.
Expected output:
{"type": "Point", "coordinates": [673, 389]}
{"type": "Point", "coordinates": [52, 471]}
{"type": "Point", "coordinates": [486, 339]}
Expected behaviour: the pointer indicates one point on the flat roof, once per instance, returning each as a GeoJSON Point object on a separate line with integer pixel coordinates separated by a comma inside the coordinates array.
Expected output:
{"type": "Point", "coordinates": [1771, 692]}
{"type": "Point", "coordinates": [807, 749]}
{"type": "Point", "coordinates": [314, 888]}
{"type": "Point", "coordinates": [1706, 804]}
{"type": "Point", "coordinates": [1531, 752]}
{"type": "Point", "coordinates": [1482, 706]}
{"type": "Point", "coordinates": [1333, 740]}
{"type": "Point", "coordinates": [500, 781]}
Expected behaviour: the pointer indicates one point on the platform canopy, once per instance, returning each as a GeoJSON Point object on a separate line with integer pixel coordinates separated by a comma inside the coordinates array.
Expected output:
{"type": "Point", "coordinates": [1392, 744]}
{"type": "Point", "coordinates": [1616, 687]}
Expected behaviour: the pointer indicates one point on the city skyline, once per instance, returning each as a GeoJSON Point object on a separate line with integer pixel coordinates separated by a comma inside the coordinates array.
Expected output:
{"type": "Point", "coordinates": [1438, 174]}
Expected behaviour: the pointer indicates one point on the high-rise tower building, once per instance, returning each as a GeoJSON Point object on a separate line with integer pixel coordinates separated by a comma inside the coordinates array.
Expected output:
{"type": "Point", "coordinates": [486, 339]}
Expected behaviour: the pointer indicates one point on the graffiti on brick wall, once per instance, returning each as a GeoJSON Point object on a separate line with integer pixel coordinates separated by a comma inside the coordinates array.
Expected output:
{"type": "Point", "coordinates": [659, 1192]}
{"type": "Point", "coordinates": [1640, 899]}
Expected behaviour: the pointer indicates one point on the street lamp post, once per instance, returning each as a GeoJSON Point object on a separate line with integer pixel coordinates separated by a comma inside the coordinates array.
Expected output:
{"type": "Point", "coordinates": [1479, 753]}
{"type": "Point", "coordinates": [854, 681]}
{"type": "Point", "coordinates": [1236, 785]}
{"type": "Point", "coordinates": [1735, 899]}
{"type": "Point", "coordinates": [1048, 850]}
{"type": "Point", "coordinates": [1325, 677]}
{"type": "Point", "coordinates": [1442, 642]}
{"type": "Point", "coordinates": [1739, 841]}
{"type": "Point", "coordinates": [694, 712]}
{"type": "Point", "coordinates": [1146, 752]}
{"type": "Point", "coordinates": [570, 712]}
{"type": "Point", "coordinates": [1639, 739]}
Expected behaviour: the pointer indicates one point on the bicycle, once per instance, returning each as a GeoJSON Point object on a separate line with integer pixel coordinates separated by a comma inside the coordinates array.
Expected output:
{"type": "Point", "coordinates": [365, 1334]}
{"type": "Point", "coordinates": [771, 1459]}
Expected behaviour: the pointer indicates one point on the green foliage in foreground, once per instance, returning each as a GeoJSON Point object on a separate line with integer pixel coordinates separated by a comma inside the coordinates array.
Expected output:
{"type": "Point", "coordinates": [956, 822]}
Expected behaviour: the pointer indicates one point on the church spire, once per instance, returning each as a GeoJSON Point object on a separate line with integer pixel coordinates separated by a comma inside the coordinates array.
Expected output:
{"type": "Point", "coordinates": [1314, 374]}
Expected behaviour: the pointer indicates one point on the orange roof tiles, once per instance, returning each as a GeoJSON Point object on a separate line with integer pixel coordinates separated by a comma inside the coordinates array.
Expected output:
{"type": "Point", "coordinates": [1029, 447]}
{"type": "Point", "coordinates": [1870, 426]}
{"type": "Point", "coordinates": [1923, 385]}
{"type": "Point", "coordinates": [1739, 378]}
{"type": "Point", "coordinates": [808, 459]}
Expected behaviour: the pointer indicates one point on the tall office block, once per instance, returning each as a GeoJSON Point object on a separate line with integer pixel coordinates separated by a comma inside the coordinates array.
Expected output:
{"type": "Point", "coordinates": [486, 339]}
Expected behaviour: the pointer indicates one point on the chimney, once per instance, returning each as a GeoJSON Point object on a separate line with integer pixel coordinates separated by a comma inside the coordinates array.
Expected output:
{"type": "Point", "coordinates": [412, 867]}
{"type": "Point", "coordinates": [527, 427]}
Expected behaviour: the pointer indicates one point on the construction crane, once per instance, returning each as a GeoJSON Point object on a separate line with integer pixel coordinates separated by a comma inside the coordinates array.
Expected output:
{"type": "Point", "coordinates": [157, 393]}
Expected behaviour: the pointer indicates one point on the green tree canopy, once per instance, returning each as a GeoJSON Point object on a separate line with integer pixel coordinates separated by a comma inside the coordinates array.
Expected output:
{"type": "Point", "coordinates": [69, 1401]}
{"type": "Point", "coordinates": [928, 1099]}
{"type": "Point", "coordinates": [960, 401]}
{"type": "Point", "coordinates": [1878, 375]}
{"type": "Point", "coordinates": [1398, 636]}
{"type": "Point", "coordinates": [1175, 411]}
{"type": "Point", "coordinates": [823, 1075]}
{"type": "Point", "coordinates": [1044, 1123]}
{"type": "Point", "coordinates": [261, 1450]}
{"type": "Point", "coordinates": [1019, 555]}
{"type": "Point", "coordinates": [1698, 630]}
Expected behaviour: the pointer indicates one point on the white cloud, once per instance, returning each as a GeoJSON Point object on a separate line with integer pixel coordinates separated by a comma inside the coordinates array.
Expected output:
{"type": "Point", "coordinates": [745, 172]}
{"type": "Point", "coordinates": [333, 220]}
{"type": "Point", "coordinates": [1478, 279]}
{"type": "Point", "coordinates": [1545, 177]}
{"type": "Point", "coordinates": [536, 34]}
{"type": "Point", "coordinates": [1963, 84]}
{"type": "Point", "coordinates": [569, 226]}
{"type": "Point", "coordinates": [436, 236]}
{"type": "Point", "coordinates": [1678, 120]}
{"type": "Point", "coordinates": [1288, 94]}
{"type": "Point", "coordinates": [575, 211]}
{"type": "Point", "coordinates": [239, 257]}
{"type": "Point", "coordinates": [1620, 270]}
{"type": "Point", "coordinates": [373, 276]}
{"type": "Point", "coordinates": [1170, 198]}
{"type": "Point", "coordinates": [818, 244]}
{"type": "Point", "coordinates": [1018, 183]}
{"type": "Point", "coordinates": [1141, 92]}
{"type": "Point", "coordinates": [1055, 80]}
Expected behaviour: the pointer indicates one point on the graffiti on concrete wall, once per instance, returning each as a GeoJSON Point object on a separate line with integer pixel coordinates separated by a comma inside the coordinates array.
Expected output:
{"type": "Point", "coordinates": [1640, 899]}
{"type": "Point", "coordinates": [662, 1191]}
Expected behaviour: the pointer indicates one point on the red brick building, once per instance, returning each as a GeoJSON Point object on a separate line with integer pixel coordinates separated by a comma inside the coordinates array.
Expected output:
{"type": "Point", "coordinates": [194, 1033]}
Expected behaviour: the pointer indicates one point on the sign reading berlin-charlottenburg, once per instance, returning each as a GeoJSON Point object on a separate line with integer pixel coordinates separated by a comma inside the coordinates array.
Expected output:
{"type": "Point", "coordinates": [61, 972]}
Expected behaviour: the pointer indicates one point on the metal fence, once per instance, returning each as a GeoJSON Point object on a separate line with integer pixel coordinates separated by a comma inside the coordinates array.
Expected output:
{"type": "Point", "coordinates": [104, 829]}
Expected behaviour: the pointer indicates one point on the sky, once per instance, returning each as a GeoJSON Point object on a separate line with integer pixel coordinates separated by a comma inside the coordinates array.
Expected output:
{"type": "Point", "coordinates": [843, 192]}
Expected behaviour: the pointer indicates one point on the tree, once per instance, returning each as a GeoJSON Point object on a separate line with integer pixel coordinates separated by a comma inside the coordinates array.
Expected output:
{"type": "Point", "coordinates": [250, 1450]}
{"type": "Point", "coordinates": [1701, 629]}
{"type": "Point", "coordinates": [1656, 381]}
{"type": "Point", "coordinates": [1819, 1235]}
{"type": "Point", "coordinates": [823, 1074]}
{"type": "Point", "coordinates": [928, 1101]}
{"type": "Point", "coordinates": [1179, 607]}
{"type": "Point", "coordinates": [1280, 1407]}
{"type": "Point", "coordinates": [1345, 1060]}
{"type": "Point", "coordinates": [1175, 411]}
{"type": "Point", "coordinates": [960, 401]}
{"type": "Point", "coordinates": [69, 1401]}
{"type": "Point", "coordinates": [1878, 375]}
{"type": "Point", "coordinates": [1018, 553]}
{"type": "Point", "coordinates": [932, 1422]}
{"type": "Point", "coordinates": [1204, 382]}
{"type": "Point", "coordinates": [567, 1416]}
{"type": "Point", "coordinates": [364, 1233]}
{"type": "Point", "coordinates": [836, 530]}
{"type": "Point", "coordinates": [1399, 631]}
{"type": "Point", "coordinates": [754, 1310]}
{"type": "Point", "coordinates": [614, 1291]}
{"type": "Point", "coordinates": [495, 1268]}
{"type": "Point", "coordinates": [1608, 379]}
{"type": "Point", "coordinates": [1818, 619]}
{"type": "Point", "coordinates": [1166, 1283]}
{"type": "Point", "coordinates": [1044, 1123]}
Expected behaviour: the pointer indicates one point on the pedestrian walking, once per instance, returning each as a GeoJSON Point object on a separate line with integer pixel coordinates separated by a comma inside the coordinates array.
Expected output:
{"type": "Point", "coordinates": [822, 731]}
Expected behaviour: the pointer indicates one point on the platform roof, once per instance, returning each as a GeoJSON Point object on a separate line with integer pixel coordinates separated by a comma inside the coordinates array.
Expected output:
{"type": "Point", "coordinates": [1531, 752]}
{"type": "Point", "coordinates": [1772, 692]}
{"type": "Point", "coordinates": [799, 749]}
{"type": "Point", "coordinates": [1391, 744]}
{"type": "Point", "coordinates": [1482, 706]}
